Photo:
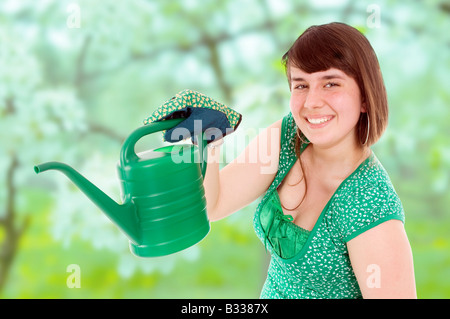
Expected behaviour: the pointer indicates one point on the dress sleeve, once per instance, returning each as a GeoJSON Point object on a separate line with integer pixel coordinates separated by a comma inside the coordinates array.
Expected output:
{"type": "Point", "coordinates": [288, 130]}
{"type": "Point", "coordinates": [367, 207]}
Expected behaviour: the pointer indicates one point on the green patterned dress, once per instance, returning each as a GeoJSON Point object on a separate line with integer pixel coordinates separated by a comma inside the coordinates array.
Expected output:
{"type": "Point", "coordinates": [316, 264]}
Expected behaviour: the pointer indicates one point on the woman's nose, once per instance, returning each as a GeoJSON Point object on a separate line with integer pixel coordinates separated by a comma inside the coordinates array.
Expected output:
{"type": "Point", "coordinates": [313, 99]}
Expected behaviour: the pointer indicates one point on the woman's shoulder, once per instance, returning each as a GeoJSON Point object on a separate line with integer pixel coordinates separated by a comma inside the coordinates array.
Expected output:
{"type": "Point", "coordinates": [366, 199]}
{"type": "Point", "coordinates": [370, 181]}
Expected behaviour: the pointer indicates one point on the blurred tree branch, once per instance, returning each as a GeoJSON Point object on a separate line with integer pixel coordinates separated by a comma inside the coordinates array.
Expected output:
{"type": "Point", "coordinates": [105, 131]}
{"type": "Point", "coordinates": [79, 65]}
{"type": "Point", "coordinates": [12, 229]}
{"type": "Point", "coordinates": [79, 79]}
{"type": "Point", "coordinates": [445, 6]}
{"type": "Point", "coordinates": [214, 58]}
{"type": "Point", "coordinates": [210, 42]}
{"type": "Point", "coordinates": [12, 232]}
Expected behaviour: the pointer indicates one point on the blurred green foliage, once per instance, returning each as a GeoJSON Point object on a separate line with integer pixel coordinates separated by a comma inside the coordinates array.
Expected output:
{"type": "Point", "coordinates": [78, 76]}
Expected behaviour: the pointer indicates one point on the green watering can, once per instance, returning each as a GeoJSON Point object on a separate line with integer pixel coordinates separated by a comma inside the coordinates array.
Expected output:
{"type": "Point", "coordinates": [164, 205]}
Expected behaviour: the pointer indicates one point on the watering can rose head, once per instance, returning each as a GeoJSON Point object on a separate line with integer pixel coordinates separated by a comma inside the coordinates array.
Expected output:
{"type": "Point", "coordinates": [202, 114]}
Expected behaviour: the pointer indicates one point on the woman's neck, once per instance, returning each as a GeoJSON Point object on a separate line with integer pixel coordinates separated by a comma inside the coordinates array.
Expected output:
{"type": "Point", "coordinates": [341, 159]}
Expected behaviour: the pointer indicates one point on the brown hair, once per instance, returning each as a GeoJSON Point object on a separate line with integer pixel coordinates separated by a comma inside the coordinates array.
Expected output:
{"type": "Point", "coordinates": [340, 46]}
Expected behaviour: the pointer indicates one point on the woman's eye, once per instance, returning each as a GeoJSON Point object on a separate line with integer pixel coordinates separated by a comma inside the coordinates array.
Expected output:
{"type": "Point", "coordinates": [331, 84]}
{"type": "Point", "coordinates": [301, 86]}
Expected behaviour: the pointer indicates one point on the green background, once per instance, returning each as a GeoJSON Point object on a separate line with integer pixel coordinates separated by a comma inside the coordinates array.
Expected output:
{"type": "Point", "coordinates": [78, 76]}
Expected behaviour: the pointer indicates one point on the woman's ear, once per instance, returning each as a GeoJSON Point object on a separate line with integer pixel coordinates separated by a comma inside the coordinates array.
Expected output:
{"type": "Point", "coordinates": [363, 107]}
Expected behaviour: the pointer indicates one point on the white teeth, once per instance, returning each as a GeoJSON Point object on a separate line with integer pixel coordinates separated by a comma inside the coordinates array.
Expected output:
{"type": "Point", "coordinates": [318, 121]}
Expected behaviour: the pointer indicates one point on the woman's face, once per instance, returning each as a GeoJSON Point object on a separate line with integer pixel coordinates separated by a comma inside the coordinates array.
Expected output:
{"type": "Point", "coordinates": [326, 105]}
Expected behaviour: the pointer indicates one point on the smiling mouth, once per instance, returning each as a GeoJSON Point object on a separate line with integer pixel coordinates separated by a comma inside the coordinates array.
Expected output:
{"type": "Point", "coordinates": [318, 120]}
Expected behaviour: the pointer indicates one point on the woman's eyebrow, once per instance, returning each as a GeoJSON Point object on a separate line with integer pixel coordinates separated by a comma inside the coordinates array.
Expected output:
{"type": "Point", "coordinates": [298, 79]}
{"type": "Point", "coordinates": [332, 76]}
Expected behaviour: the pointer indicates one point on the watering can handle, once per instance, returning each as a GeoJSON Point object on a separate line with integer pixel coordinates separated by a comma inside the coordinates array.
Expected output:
{"type": "Point", "coordinates": [128, 154]}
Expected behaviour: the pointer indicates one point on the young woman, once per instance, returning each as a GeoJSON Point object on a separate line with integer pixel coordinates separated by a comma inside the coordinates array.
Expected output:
{"type": "Point", "coordinates": [329, 215]}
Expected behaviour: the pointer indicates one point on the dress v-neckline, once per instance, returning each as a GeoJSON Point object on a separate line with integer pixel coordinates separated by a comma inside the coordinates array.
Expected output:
{"type": "Point", "coordinates": [312, 232]}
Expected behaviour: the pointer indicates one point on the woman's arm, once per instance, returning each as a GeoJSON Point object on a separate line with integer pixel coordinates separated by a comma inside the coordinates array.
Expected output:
{"type": "Point", "coordinates": [244, 179]}
{"type": "Point", "coordinates": [382, 261]}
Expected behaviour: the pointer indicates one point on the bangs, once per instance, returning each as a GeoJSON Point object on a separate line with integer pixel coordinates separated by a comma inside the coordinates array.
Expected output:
{"type": "Point", "coordinates": [319, 49]}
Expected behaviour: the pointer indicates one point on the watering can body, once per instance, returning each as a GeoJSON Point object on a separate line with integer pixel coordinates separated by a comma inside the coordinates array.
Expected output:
{"type": "Point", "coordinates": [163, 208]}
{"type": "Point", "coordinates": [172, 211]}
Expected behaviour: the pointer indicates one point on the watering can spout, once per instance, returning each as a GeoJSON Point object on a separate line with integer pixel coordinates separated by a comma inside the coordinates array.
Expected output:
{"type": "Point", "coordinates": [124, 216]}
